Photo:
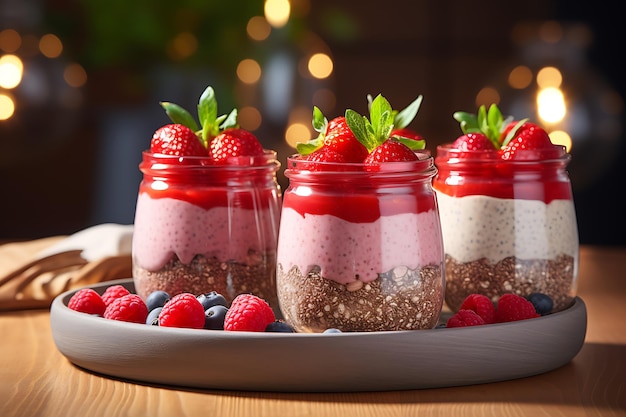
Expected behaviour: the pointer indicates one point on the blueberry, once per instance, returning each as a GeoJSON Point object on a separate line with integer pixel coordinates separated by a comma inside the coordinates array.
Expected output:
{"type": "Point", "coordinates": [156, 299]}
{"type": "Point", "coordinates": [211, 299]}
{"type": "Point", "coordinates": [332, 330]}
{"type": "Point", "coordinates": [153, 316]}
{"type": "Point", "coordinates": [542, 302]}
{"type": "Point", "coordinates": [279, 326]}
{"type": "Point", "coordinates": [214, 317]}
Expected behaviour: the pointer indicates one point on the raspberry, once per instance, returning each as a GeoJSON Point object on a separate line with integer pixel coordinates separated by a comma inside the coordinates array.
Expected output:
{"type": "Point", "coordinates": [513, 307]}
{"type": "Point", "coordinates": [87, 301]}
{"type": "Point", "coordinates": [130, 308]}
{"type": "Point", "coordinates": [464, 318]}
{"type": "Point", "coordinates": [183, 310]}
{"type": "Point", "coordinates": [481, 305]}
{"type": "Point", "coordinates": [113, 292]}
{"type": "Point", "coordinates": [250, 313]}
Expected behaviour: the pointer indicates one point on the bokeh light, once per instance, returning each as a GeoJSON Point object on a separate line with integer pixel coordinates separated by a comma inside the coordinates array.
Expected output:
{"type": "Point", "coordinates": [258, 28]}
{"type": "Point", "coordinates": [320, 65]}
{"type": "Point", "coordinates": [249, 71]}
{"type": "Point", "coordinates": [50, 46]}
{"type": "Point", "coordinates": [277, 12]}
{"type": "Point", "coordinates": [11, 71]}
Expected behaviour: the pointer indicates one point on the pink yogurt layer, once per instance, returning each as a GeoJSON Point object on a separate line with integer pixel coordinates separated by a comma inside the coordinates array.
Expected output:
{"type": "Point", "coordinates": [165, 227]}
{"type": "Point", "coordinates": [344, 250]}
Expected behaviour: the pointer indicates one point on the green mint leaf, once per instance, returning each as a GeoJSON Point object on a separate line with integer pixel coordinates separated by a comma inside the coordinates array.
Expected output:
{"type": "Point", "coordinates": [412, 143]}
{"type": "Point", "coordinates": [467, 121]}
{"type": "Point", "coordinates": [179, 115]}
{"type": "Point", "coordinates": [319, 120]}
{"type": "Point", "coordinates": [227, 122]}
{"type": "Point", "coordinates": [406, 116]}
{"type": "Point", "coordinates": [494, 125]}
{"type": "Point", "coordinates": [306, 148]}
{"type": "Point", "coordinates": [357, 125]}
{"type": "Point", "coordinates": [207, 113]}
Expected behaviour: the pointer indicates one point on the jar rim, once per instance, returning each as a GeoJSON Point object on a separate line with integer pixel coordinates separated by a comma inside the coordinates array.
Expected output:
{"type": "Point", "coordinates": [170, 162]}
{"type": "Point", "coordinates": [447, 154]}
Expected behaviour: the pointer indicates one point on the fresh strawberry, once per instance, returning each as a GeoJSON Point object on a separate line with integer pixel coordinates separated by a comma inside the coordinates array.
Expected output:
{"type": "Point", "coordinates": [355, 137]}
{"type": "Point", "coordinates": [490, 124]}
{"type": "Point", "coordinates": [178, 140]}
{"type": "Point", "coordinates": [390, 151]}
{"type": "Point", "coordinates": [234, 142]}
{"type": "Point", "coordinates": [374, 132]}
{"type": "Point", "coordinates": [473, 142]}
{"type": "Point", "coordinates": [340, 139]}
{"type": "Point", "coordinates": [528, 136]}
{"type": "Point", "coordinates": [325, 155]}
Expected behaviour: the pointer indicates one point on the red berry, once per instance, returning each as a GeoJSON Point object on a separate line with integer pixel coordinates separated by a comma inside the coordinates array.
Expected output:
{"type": "Point", "coordinates": [130, 308]}
{"type": "Point", "coordinates": [182, 310]}
{"type": "Point", "coordinates": [87, 301]}
{"type": "Point", "coordinates": [250, 313]}
{"type": "Point", "coordinates": [176, 139]}
{"type": "Point", "coordinates": [481, 305]}
{"type": "Point", "coordinates": [339, 138]}
{"type": "Point", "coordinates": [473, 142]}
{"type": "Point", "coordinates": [234, 142]}
{"type": "Point", "coordinates": [513, 307]}
{"type": "Point", "coordinates": [528, 137]}
{"type": "Point", "coordinates": [113, 292]}
{"type": "Point", "coordinates": [465, 318]}
{"type": "Point", "coordinates": [390, 151]}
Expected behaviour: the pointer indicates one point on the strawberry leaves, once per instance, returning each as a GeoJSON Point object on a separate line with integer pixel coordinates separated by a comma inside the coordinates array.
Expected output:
{"type": "Point", "coordinates": [374, 131]}
{"type": "Point", "coordinates": [490, 122]}
{"type": "Point", "coordinates": [320, 123]}
{"type": "Point", "coordinates": [211, 124]}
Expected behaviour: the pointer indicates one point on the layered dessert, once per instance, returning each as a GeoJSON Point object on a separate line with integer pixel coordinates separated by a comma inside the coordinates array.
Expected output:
{"type": "Point", "coordinates": [507, 212]}
{"type": "Point", "coordinates": [360, 246]}
{"type": "Point", "coordinates": [208, 209]}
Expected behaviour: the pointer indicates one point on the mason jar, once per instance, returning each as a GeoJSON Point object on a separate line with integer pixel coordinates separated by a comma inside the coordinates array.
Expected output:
{"type": "Point", "coordinates": [200, 227]}
{"type": "Point", "coordinates": [509, 226]}
{"type": "Point", "coordinates": [360, 250]}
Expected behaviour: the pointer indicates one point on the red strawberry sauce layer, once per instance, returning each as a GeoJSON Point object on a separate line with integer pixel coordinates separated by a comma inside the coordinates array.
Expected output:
{"type": "Point", "coordinates": [352, 193]}
{"type": "Point", "coordinates": [537, 175]}
{"type": "Point", "coordinates": [198, 181]}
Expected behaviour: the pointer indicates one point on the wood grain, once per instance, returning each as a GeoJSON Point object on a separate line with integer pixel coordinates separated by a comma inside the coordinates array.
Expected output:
{"type": "Point", "coordinates": [36, 380]}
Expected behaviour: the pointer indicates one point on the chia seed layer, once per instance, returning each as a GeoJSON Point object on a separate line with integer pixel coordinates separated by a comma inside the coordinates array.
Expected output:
{"type": "Point", "coordinates": [203, 275]}
{"type": "Point", "coordinates": [401, 299]}
{"type": "Point", "coordinates": [553, 277]}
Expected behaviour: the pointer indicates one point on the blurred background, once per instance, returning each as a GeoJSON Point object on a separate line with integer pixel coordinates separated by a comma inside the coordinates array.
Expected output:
{"type": "Point", "coordinates": [80, 83]}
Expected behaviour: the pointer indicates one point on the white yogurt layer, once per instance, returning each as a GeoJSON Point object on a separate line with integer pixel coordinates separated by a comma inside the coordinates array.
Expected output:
{"type": "Point", "coordinates": [165, 226]}
{"type": "Point", "coordinates": [344, 250]}
{"type": "Point", "coordinates": [476, 227]}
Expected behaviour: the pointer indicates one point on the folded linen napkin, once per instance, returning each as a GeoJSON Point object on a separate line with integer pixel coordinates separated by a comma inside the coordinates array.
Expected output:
{"type": "Point", "coordinates": [33, 273]}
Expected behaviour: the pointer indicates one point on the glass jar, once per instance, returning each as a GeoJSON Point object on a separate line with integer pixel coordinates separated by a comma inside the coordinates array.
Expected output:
{"type": "Point", "coordinates": [509, 226]}
{"type": "Point", "coordinates": [201, 227]}
{"type": "Point", "coordinates": [360, 250]}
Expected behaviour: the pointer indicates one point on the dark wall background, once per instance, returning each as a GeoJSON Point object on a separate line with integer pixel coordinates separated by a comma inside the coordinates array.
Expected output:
{"type": "Point", "coordinates": [443, 50]}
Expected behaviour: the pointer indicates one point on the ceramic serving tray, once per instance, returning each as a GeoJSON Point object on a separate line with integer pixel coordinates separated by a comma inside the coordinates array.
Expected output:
{"type": "Point", "coordinates": [328, 362]}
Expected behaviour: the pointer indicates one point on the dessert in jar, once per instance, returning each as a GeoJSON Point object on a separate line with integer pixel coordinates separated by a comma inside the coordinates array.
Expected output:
{"type": "Point", "coordinates": [507, 212]}
{"type": "Point", "coordinates": [208, 209]}
{"type": "Point", "coordinates": [360, 245]}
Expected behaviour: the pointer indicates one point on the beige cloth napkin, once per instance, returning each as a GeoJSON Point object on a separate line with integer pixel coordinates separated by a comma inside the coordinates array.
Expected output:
{"type": "Point", "coordinates": [33, 273]}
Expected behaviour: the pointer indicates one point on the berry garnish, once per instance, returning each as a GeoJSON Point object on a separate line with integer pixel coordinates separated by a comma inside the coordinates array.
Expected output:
{"type": "Point", "coordinates": [183, 310]}
{"type": "Point", "coordinates": [353, 138]}
{"type": "Point", "coordinates": [250, 313]}
{"type": "Point", "coordinates": [211, 299]}
{"type": "Point", "coordinates": [490, 130]}
{"type": "Point", "coordinates": [465, 318]}
{"type": "Point", "coordinates": [153, 316]}
{"type": "Point", "coordinates": [279, 326]}
{"type": "Point", "coordinates": [217, 137]}
{"type": "Point", "coordinates": [513, 307]}
{"type": "Point", "coordinates": [543, 303]}
{"type": "Point", "coordinates": [481, 305]}
{"type": "Point", "coordinates": [87, 301]}
{"type": "Point", "coordinates": [113, 292]}
{"type": "Point", "coordinates": [214, 317]}
{"type": "Point", "coordinates": [130, 308]}
{"type": "Point", "coordinates": [156, 299]}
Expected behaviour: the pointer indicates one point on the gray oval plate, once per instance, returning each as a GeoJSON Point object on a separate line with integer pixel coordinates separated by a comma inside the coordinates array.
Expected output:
{"type": "Point", "coordinates": [331, 362]}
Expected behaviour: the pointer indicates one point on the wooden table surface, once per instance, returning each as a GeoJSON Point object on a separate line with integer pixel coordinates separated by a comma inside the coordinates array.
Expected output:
{"type": "Point", "coordinates": [37, 380]}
